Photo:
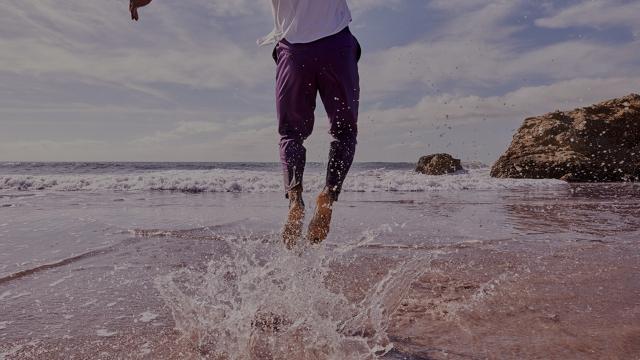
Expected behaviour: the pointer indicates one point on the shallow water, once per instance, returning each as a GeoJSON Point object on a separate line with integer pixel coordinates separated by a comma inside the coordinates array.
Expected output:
{"type": "Point", "coordinates": [488, 269]}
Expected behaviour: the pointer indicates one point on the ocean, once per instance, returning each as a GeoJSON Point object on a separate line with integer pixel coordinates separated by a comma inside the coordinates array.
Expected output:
{"type": "Point", "coordinates": [231, 177]}
{"type": "Point", "coordinates": [185, 261]}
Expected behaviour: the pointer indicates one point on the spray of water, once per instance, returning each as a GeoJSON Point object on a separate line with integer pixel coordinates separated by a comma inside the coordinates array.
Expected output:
{"type": "Point", "coordinates": [257, 300]}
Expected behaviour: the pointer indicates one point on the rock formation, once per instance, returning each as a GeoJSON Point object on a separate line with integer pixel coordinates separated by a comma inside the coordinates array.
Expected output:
{"type": "Point", "coordinates": [599, 143]}
{"type": "Point", "coordinates": [438, 164]}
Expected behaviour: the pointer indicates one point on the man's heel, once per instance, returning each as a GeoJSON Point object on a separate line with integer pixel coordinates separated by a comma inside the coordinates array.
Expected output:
{"type": "Point", "coordinates": [321, 221]}
{"type": "Point", "coordinates": [292, 230]}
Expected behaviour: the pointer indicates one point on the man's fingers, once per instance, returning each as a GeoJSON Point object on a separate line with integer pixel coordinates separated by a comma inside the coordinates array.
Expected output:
{"type": "Point", "coordinates": [134, 5]}
{"type": "Point", "coordinates": [134, 11]}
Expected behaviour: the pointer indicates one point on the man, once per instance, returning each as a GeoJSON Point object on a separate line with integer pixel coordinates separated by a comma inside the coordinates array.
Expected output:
{"type": "Point", "coordinates": [315, 53]}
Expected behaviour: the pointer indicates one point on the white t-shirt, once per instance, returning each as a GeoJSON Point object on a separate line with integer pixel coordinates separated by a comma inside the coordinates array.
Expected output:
{"type": "Point", "coordinates": [303, 21]}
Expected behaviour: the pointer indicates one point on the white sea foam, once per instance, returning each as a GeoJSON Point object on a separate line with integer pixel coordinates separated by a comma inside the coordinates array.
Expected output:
{"type": "Point", "coordinates": [105, 333]}
{"type": "Point", "coordinates": [225, 180]}
{"type": "Point", "coordinates": [59, 281]}
{"type": "Point", "coordinates": [4, 324]}
{"type": "Point", "coordinates": [255, 300]}
{"type": "Point", "coordinates": [148, 316]}
{"type": "Point", "coordinates": [7, 352]}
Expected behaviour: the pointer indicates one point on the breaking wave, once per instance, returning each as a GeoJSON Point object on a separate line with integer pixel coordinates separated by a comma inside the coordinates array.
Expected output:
{"type": "Point", "coordinates": [241, 181]}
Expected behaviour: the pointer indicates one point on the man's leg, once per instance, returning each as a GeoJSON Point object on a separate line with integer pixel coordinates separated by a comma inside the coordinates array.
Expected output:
{"type": "Point", "coordinates": [339, 87]}
{"type": "Point", "coordinates": [295, 102]}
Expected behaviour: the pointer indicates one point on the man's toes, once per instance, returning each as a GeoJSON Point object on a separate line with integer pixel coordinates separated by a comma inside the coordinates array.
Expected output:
{"type": "Point", "coordinates": [318, 229]}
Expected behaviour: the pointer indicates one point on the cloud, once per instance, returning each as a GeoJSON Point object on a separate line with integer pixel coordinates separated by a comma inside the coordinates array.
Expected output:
{"type": "Point", "coordinates": [192, 66]}
{"type": "Point", "coordinates": [452, 109]}
{"type": "Point", "coordinates": [595, 14]}
{"type": "Point", "coordinates": [477, 51]}
{"type": "Point", "coordinates": [472, 45]}
{"type": "Point", "coordinates": [477, 19]}
{"type": "Point", "coordinates": [49, 150]}
{"type": "Point", "coordinates": [231, 144]}
{"type": "Point", "coordinates": [466, 125]}
{"type": "Point", "coordinates": [442, 65]}
{"type": "Point", "coordinates": [184, 129]}
{"type": "Point", "coordinates": [237, 7]}
{"type": "Point", "coordinates": [360, 6]}
{"type": "Point", "coordinates": [79, 79]}
{"type": "Point", "coordinates": [476, 127]}
{"type": "Point", "coordinates": [94, 40]}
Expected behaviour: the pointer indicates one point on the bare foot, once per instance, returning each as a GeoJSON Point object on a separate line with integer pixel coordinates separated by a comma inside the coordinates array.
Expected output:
{"type": "Point", "coordinates": [293, 227]}
{"type": "Point", "coordinates": [319, 225]}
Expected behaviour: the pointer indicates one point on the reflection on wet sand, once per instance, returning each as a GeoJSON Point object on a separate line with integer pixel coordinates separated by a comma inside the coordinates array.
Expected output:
{"type": "Point", "coordinates": [574, 303]}
{"type": "Point", "coordinates": [510, 280]}
{"type": "Point", "coordinates": [588, 212]}
{"type": "Point", "coordinates": [579, 302]}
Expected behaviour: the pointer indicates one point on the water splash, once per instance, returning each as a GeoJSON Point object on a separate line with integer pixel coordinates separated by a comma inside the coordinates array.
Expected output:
{"type": "Point", "coordinates": [258, 301]}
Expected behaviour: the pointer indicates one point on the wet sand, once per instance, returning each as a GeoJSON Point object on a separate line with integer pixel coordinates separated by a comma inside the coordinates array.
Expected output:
{"type": "Point", "coordinates": [484, 275]}
{"type": "Point", "coordinates": [576, 303]}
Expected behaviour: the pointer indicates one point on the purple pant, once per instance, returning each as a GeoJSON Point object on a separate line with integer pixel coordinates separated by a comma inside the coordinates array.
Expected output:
{"type": "Point", "coordinates": [328, 66]}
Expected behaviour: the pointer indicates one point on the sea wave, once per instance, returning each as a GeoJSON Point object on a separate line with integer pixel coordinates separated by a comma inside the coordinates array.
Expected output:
{"type": "Point", "coordinates": [239, 181]}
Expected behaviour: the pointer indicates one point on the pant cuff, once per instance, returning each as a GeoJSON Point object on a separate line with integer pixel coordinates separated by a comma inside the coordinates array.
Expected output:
{"type": "Point", "coordinates": [333, 191]}
{"type": "Point", "coordinates": [290, 187]}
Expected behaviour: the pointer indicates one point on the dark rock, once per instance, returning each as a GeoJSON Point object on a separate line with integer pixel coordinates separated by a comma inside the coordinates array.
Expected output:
{"type": "Point", "coordinates": [599, 143]}
{"type": "Point", "coordinates": [438, 164]}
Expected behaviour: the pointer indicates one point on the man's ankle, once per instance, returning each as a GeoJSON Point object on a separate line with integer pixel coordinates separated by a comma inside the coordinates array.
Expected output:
{"type": "Point", "coordinates": [295, 195]}
{"type": "Point", "coordinates": [331, 193]}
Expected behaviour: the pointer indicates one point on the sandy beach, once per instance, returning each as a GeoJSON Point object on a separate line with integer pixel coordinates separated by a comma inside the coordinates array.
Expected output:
{"type": "Point", "coordinates": [465, 267]}
{"type": "Point", "coordinates": [157, 157]}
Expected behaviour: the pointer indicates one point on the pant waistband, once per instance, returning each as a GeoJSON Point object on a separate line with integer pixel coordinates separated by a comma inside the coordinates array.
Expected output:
{"type": "Point", "coordinates": [321, 41]}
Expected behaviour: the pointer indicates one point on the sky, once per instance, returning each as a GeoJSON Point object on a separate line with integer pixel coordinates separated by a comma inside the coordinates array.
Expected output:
{"type": "Point", "coordinates": [79, 81]}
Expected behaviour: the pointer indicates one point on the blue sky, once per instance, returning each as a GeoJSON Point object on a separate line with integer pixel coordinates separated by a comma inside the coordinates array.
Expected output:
{"type": "Point", "coordinates": [80, 82]}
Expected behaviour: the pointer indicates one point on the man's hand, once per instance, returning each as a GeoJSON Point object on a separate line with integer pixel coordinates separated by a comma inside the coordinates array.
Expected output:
{"type": "Point", "coordinates": [134, 5]}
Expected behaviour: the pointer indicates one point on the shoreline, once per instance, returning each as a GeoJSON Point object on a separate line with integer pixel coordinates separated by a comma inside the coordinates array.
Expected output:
{"type": "Point", "coordinates": [521, 274]}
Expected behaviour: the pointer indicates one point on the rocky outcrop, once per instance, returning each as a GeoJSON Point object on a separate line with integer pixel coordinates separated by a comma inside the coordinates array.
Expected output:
{"type": "Point", "coordinates": [438, 164]}
{"type": "Point", "coordinates": [599, 143]}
